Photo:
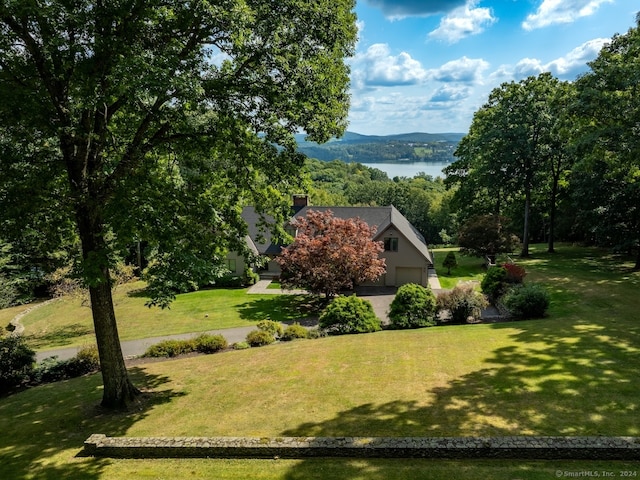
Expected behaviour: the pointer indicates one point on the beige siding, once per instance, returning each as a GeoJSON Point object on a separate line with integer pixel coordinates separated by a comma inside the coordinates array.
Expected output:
{"type": "Point", "coordinates": [406, 261]}
{"type": "Point", "coordinates": [238, 260]}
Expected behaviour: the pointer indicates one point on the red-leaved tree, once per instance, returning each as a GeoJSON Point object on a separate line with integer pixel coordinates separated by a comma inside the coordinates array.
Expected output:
{"type": "Point", "coordinates": [331, 254]}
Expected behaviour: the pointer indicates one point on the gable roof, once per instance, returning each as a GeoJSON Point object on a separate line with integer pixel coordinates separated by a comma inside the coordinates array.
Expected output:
{"type": "Point", "coordinates": [259, 233]}
{"type": "Point", "coordinates": [381, 218]}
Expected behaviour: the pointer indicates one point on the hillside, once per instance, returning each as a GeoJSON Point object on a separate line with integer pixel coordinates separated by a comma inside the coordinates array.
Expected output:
{"type": "Point", "coordinates": [406, 147]}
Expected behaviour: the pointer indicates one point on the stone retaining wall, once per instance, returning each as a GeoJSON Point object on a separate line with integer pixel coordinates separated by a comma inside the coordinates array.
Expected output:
{"type": "Point", "coordinates": [544, 448]}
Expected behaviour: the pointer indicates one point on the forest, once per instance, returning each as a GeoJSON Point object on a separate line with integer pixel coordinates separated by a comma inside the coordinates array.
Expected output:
{"type": "Point", "coordinates": [550, 160]}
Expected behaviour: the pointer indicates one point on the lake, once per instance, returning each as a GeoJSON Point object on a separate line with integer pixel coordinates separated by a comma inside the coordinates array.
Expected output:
{"type": "Point", "coordinates": [409, 169]}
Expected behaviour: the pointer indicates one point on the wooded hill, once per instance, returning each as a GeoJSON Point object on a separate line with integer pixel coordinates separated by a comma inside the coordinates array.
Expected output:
{"type": "Point", "coordinates": [406, 147]}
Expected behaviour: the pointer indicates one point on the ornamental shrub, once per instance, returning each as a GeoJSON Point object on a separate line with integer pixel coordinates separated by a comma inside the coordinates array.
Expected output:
{"type": "Point", "coordinates": [495, 283]}
{"type": "Point", "coordinates": [414, 306]}
{"type": "Point", "coordinates": [240, 346]}
{"type": "Point", "coordinates": [86, 361]}
{"type": "Point", "coordinates": [260, 338]}
{"type": "Point", "coordinates": [274, 328]}
{"type": "Point", "coordinates": [463, 303]}
{"type": "Point", "coordinates": [450, 262]}
{"type": "Point", "coordinates": [16, 363]}
{"type": "Point", "coordinates": [515, 273]}
{"type": "Point", "coordinates": [527, 301]}
{"type": "Point", "coordinates": [171, 348]}
{"type": "Point", "coordinates": [206, 343]}
{"type": "Point", "coordinates": [345, 315]}
{"type": "Point", "coordinates": [294, 331]}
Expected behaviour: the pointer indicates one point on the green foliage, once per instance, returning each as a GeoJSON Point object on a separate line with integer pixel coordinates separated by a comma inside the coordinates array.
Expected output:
{"type": "Point", "coordinates": [494, 283]}
{"type": "Point", "coordinates": [484, 235]}
{"type": "Point", "coordinates": [345, 315]}
{"type": "Point", "coordinates": [138, 134]}
{"type": "Point", "coordinates": [607, 196]}
{"type": "Point", "coordinates": [250, 277]}
{"type": "Point", "coordinates": [16, 363]}
{"type": "Point", "coordinates": [530, 300]}
{"type": "Point", "coordinates": [515, 273]}
{"type": "Point", "coordinates": [450, 262]}
{"type": "Point", "coordinates": [230, 281]}
{"type": "Point", "coordinates": [414, 306]}
{"type": "Point", "coordinates": [206, 343]}
{"type": "Point", "coordinates": [170, 348]}
{"type": "Point", "coordinates": [515, 149]}
{"type": "Point", "coordinates": [203, 343]}
{"type": "Point", "coordinates": [260, 338]}
{"type": "Point", "coordinates": [8, 292]}
{"type": "Point", "coordinates": [274, 328]}
{"type": "Point", "coordinates": [294, 331]}
{"type": "Point", "coordinates": [423, 200]}
{"type": "Point", "coordinates": [463, 303]}
{"type": "Point", "coordinates": [240, 346]}
{"type": "Point", "coordinates": [53, 370]}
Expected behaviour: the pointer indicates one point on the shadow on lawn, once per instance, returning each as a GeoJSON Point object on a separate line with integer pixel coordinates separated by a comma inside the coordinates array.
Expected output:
{"type": "Point", "coordinates": [556, 378]}
{"type": "Point", "coordinates": [280, 308]}
{"type": "Point", "coordinates": [60, 336]}
{"type": "Point", "coordinates": [52, 420]}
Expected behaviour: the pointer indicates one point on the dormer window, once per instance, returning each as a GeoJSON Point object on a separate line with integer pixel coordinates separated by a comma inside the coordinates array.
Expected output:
{"type": "Point", "coordinates": [391, 244]}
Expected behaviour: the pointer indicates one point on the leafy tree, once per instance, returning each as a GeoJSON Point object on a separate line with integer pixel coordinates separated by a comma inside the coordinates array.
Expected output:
{"type": "Point", "coordinates": [485, 236]}
{"type": "Point", "coordinates": [507, 153]}
{"type": "Point", "coordinates": [450, 262]}
{"type": "Point", "coordinates": [155, 120]}
{"type": "Point", "coordinates": [609, 172]}
{"type": "Point", "coordinates": [330, 254]}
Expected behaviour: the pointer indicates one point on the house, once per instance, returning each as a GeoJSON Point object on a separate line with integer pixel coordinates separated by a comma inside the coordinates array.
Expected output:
{"type": "Point", "coordinates": [405, 250]}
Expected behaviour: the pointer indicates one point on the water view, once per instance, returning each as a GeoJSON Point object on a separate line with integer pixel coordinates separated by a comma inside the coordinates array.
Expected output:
{"type": "Point", "coordinates": [409, 169]}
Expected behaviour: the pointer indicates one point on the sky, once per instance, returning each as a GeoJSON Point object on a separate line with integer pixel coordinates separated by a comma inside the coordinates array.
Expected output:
{"type": "Point", "coordinates": [428, 65]}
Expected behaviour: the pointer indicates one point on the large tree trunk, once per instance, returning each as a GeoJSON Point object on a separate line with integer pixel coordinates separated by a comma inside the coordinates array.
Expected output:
{"type": "Point", "coordinates": [525, 234]}
{"type": "Point", "coordinates": [118, 389]}
{"type": "Point", "coordinates": [552, 215]}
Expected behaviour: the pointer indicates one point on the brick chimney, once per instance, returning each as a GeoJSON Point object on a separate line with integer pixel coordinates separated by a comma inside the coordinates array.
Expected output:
{"type": "Point", "coordinates": [300, 201]}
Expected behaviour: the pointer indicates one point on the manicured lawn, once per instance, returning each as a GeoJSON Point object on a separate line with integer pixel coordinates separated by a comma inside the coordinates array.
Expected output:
{"type": "Point", "coordinates": [572, 373]}
{"type": "Point", "coordinates": [468, 269]}
{"type": "Point", "coordinates": [68, 322]}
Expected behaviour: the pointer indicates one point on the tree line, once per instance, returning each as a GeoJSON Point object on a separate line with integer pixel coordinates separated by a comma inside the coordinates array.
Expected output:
{"type": "Point", "coordinates": [552, 160]}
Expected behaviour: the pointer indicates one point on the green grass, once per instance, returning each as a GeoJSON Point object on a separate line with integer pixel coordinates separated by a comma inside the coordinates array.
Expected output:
{"type": "Point", "coordinates": [469, 269]}
{"type": "Point", "coordinates": [572, 373]}
{"type": "Point", "coordinates": [68, 322]}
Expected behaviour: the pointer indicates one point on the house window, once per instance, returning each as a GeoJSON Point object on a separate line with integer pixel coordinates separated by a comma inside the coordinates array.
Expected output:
{"type": "Point", "coordinates": [231, 264]}
{"type": "Point", "coordinates": [391, 244]}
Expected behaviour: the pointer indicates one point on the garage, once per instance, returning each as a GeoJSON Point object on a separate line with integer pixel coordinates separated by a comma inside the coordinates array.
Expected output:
{"type": "Point", "coordinates": [408, 275]}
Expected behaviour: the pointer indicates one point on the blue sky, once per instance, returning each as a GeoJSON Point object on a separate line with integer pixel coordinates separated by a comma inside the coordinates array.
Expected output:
{"type": "Point", "coordinates": [428, 65]}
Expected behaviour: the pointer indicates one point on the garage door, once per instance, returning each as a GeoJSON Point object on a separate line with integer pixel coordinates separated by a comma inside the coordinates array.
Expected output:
{"type": "Point", "coordinates": [408, 275]}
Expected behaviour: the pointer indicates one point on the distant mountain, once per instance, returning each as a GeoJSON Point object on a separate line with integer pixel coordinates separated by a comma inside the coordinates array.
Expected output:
{"type": "Point", "coordinates": [405, 147]}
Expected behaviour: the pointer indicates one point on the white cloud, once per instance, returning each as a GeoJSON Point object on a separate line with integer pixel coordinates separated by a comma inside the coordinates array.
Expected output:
{"type": "Point", "coordinates": [464, 70]}
{"type": "Point", "coordinates": [378, 67]}
{"type": "Point", "coordinates": [551, 12]}
{"type": "Point", "coordinates": [527, 67]}
{"type": "Point", "coordinates": [567, 67]}
{"type": "Point", "coordinates": [576, 60]}
{"type": "Point", "coordinates": [463, 22]}
{"type": "Point", "coordinates": [449, 93]}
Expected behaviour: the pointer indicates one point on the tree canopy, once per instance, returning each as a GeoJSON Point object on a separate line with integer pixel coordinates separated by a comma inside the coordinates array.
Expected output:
{"type": "Point", "coordinates": [156, 120]}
